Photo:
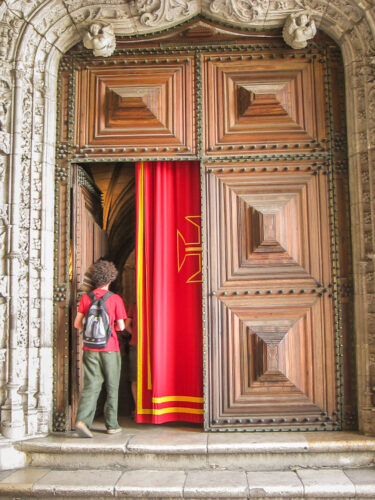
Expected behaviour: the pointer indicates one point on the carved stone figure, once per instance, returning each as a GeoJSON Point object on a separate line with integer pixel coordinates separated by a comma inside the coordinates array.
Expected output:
{"type": "Point", "coordinates": [299, 28]}
{"type": "Point", "coordinates": [101, 39]}
{"type": "Point", "coordinates": [5, 96]}
{"type": "Point", "coordinates": [156, 13]}
{"type": "Point", "coordinates": [4, 142]}
{"type": "Point", "coordinates": [241, 10]}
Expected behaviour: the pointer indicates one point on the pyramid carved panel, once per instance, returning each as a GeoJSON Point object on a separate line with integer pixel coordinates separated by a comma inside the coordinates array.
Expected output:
{"type": "Point", "coordinates": [275, 361]}
{"type": "Point", "coordinates": [136, 108]}
{"type": "Point", "coordinates": [255, 102]}
{"type": "Point", "coordinates": [269, 228]}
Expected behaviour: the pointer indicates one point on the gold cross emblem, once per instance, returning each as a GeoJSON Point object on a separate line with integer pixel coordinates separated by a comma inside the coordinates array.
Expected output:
{"type": "Point", "coordinates": [191, 249]}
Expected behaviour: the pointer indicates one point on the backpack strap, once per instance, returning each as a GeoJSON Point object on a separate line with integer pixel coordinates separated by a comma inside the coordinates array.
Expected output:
{"type": "Point", "coordinates": [106, 296]}
{"type": "Point", "coordinates": [92, 296]}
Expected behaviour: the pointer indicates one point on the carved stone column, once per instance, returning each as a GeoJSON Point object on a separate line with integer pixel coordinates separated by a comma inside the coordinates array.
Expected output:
{"type": "Point", "coordinates": [12, 414]}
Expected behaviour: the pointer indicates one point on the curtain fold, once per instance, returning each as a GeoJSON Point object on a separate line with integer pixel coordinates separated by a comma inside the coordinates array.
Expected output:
{"type": "Point", "coordinates": [169, 292]}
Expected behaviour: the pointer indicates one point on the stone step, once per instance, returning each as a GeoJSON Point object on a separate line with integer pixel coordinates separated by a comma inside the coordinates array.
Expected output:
{"type": "Point", "coordinates": [33, 482]}
{"type": "Point", "coordinates": [192, 449]}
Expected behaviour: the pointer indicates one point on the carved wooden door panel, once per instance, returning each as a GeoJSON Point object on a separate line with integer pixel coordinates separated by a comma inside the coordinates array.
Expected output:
{"type": "Point", "coordinates": [89, 243]}
{"type": "Point", "coordinates": [271, 337]}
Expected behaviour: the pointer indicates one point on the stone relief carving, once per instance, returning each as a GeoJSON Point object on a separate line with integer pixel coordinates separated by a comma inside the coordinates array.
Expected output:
{"type": "Point", "coordinates": [4, 214]}
{"type": "Point", "coordinates": [156, 12]}
{"type": "Point", "coordinates": [3, 163]}
{"type": "Point", "coordinates": [5, 100]}
{"type": "Point", "coordinates": [349, 9]}
{"type": "Point", "coordinates": [3, 287]}
{"type": "Point", "coordinates": [3, 234]}
{"type": "Point", "coordinates": [101, 39]}
{"type": "Point", "coordinates": [298, 29]}
{"type": "Point", "coordinates": [239, 10]}
{"type": "Point", "coordinates": [4, 142]}
{"type": "Point", "coordinates": [109, 14]}
{"type": "Point", "coordinates": [51, 17]}
{"type": "Point", "coordinates": [9, 29]}
{"type": "Point", "coordinates": [5, 95]}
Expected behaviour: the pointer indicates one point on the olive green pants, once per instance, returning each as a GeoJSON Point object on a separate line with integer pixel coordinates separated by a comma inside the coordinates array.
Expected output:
{"type": "Point", "coordinates": [99, 367]}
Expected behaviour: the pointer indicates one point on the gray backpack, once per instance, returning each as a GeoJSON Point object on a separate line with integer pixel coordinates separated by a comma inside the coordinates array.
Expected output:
{"type": "Point", "coordinates": [97, 329]}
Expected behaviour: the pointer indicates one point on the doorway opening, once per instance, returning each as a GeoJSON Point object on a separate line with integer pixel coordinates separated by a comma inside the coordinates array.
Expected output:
{"type": "Point", "coordinates": [103, 225]}
{"type": "Point", "coordinates": [161, 204]}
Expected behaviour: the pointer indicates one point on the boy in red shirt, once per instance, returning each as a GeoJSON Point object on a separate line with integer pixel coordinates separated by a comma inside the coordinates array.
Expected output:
{"type": "Point", "coordinates": [101, 365]}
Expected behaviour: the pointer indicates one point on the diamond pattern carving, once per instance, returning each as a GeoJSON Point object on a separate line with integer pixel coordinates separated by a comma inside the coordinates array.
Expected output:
{"type": "Point", "coordinates": [270, 228]}
{"type": "Point", "coordinates": [266, 339]}
{"type": "Point", "coordinates": [128, 104]}
{"type": "Point", "coordinates": [282, 354]}
{"type": "Point", "coordinates": [136, 108]}
{"type": "Point", "coordinates": [264, 100]}
{"type": "Point", "coordinates": [253, 102]}
{"type": "Point", "coordinates": [269, 253]}
{"type": "Point", "coordinates": [266, 232]}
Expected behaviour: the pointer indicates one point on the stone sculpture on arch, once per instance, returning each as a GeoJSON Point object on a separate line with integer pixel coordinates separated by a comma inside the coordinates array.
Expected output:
{"type": "Point", "coordinates": [298, 29]}
{"type": "Point", "coordinates": [101, 38]}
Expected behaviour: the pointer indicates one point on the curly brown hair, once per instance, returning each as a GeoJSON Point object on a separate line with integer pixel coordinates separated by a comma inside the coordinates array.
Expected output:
{"type": "Point", "coordinates": [103, 272]}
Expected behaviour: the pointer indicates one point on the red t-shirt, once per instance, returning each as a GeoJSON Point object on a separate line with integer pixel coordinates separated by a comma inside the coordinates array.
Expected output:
{"type": "Point", "coordinates": [116, 310]}
{"type": "Point", "coordinates": [133, 315]}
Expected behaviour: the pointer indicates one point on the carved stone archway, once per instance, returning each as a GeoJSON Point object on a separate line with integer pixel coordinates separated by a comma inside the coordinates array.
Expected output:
{"type": "Point", "coordinates": [34, 34]}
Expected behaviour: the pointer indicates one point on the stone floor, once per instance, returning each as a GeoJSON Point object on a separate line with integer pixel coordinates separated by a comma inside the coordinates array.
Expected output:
{"type": "Point", "coordinates": [179, 461]}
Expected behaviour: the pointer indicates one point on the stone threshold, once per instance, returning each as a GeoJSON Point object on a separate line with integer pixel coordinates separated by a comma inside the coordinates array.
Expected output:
{"type": "Point", "coordinates": [300, 483]}
{"type": "Point", "coordinates": [189, 448]}
{"type": "Point", "coordinates": [169, 439]}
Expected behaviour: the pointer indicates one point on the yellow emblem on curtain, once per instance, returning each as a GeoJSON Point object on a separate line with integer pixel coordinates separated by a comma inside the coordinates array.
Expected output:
{"type": "Point", "coordinates": [191, 249]}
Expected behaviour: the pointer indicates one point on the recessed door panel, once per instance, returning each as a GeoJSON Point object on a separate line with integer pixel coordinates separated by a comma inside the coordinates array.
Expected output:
{"type": "Point", "coordinates": [136, 107]}
{"type": "Point", "coordinates": [273, 349]}
{"type": "Point", "coordinates": [259, 101]}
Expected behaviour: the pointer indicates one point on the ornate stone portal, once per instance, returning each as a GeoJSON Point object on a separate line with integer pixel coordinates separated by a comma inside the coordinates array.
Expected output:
{"type": "Point", "coordinates": [34, 34]}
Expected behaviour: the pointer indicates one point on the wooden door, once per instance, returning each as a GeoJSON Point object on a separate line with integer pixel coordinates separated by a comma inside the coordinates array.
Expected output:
{"type": "Point", "coordinates": [89, 243]}
{"type": "Point", "coordinates": [272, 346]}
{"type": "Point", "coordinates": [268, 124]}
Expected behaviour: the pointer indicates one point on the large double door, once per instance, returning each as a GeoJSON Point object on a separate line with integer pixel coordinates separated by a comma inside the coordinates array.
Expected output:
{"type": "Point", "coordinates": [268, 125]}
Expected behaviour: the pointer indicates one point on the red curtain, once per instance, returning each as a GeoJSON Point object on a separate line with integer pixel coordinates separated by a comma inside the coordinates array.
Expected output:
{"type": "Point", "coordinates": [169, 292]}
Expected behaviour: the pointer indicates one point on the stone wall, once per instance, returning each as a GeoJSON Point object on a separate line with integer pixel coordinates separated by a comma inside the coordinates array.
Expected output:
{"type": "Point", "coordinates": [34, 34]}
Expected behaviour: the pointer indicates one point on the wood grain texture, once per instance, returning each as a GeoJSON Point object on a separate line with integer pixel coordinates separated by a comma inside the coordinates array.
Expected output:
{"type": "Point", "coordinates": [270, 226]}
{"type": "Point", "coordinates": [254, 100]}
{"type": "Point", "coordinates": [271, 317]}
{"type": "Point", "coordinates": [136, 105]}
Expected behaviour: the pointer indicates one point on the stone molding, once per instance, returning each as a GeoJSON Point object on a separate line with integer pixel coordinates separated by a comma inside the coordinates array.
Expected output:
{"type": "Point", "coordinates": [34, 34]}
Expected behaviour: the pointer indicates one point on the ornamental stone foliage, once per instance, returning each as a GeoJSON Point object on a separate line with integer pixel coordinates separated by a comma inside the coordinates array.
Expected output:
{"type": "Point", "coordinates": [34, 34]}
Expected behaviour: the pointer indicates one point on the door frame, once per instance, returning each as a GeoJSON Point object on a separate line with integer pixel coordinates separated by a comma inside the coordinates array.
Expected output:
{"type": "Point", "coordinates": [66, 141]}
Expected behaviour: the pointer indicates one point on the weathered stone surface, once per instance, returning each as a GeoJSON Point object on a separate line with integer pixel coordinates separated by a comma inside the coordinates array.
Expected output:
{"type": "Point", "coordinates": [248, 443]}
{"type": "Point", "coordinates": [324, 483]}
{"type": "Point", "coordinates": [275, 483]}
{"type": "Point", "coordinates": [92, 483]}
{"type": "Point", "coordinates": [151, 483]}
{"type": "Point", "coordinates": [169, 441]}
{"type": "Point", "coordinates": [21, 482]}
{"type": "Point", "coordinates": [218, 484]}
{"type": "Point", "coordinates": [363, 480]}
